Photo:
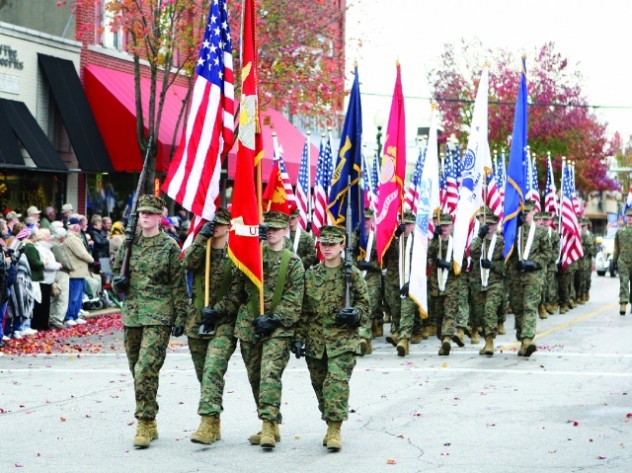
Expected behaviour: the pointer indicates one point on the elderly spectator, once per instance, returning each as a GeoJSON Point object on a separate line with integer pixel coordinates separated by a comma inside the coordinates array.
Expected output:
{"type": "Point", "coordinates": [117, 237]}
{"type": "Point", "coordinates": [60, 294]}
{"type": "Point", "coordinates": [4, 229]}
{"type": "Point", "coordinates": [169, 228]}
{"type": "Point", "coordinates": [41, 311]}
{"type": "Point", "coordinates": [107, 225]}
{"type": "Point", "coordinates": [21, 300]}
{"type": "Point", "coordinates": [80, 258]}
{"type": "Point", "coordinates": [33, 216]}
{"type": "Point", "coordinates": [66, 212]}
{"type": "Point", "coordinates": [36, 265]}
{"type": "Point", "coordinates": [12, 219]}
{"type": "Point", "coordinates": [50, 215]}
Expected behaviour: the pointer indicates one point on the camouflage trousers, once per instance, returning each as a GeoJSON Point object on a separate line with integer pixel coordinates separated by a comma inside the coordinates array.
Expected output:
{"type": "Point", "coordinates": [374, 286]}
{"type": "Point", "coordinates": [584, 274]}
{"type": "Point", "coordinates": [485, 307]}
{"type": "Point", "coordinates": [146, 349]}
{"type": "Point", "coordinates": [393, 302]}
{"type": "Point", "coordinates": [567, 285]}
{"type": "Point", "coordinates": [410, 319]}
{"type": "Point", "coordinates": [210, 359]}
{"type": "Point", "coordinates": [625, 274]}
{"type": "Point", "coordinates": [265, 362]}
{"type": "Point", "coordinates": [551, 289]}
{"type": "Point", "coordinates": [330, 380]}
{"type": "Point", "coordinates": [524, 296]}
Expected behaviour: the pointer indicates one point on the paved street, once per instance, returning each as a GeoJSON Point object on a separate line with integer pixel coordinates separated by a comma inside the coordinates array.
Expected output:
{"type": "Point", "coordinates": [568, 408]}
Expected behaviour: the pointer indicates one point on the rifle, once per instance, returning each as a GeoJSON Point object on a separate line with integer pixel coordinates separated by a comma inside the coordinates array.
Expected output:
{"type": "Point", "coordinates": [130, 229]}
{"type": "Point", "coordinates": [349, 247]}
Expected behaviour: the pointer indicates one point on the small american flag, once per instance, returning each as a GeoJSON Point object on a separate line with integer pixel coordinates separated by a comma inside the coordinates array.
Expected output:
{"type": "Point", "coordinates": [324, 170]}
{"type": "Point", "coordinates": [287, 185]}
{"type": "Point", "coordinates": [533, 192]}
{"type": "Point", "coordinates": [303, 188]}
{"type": "Point", "coordinates": [412, 192]}
{"type": "Point", "coordinates": [501, 177]}
{"type": "Point", "coordinates": [494, 202]}
{"type": "Point", "coordinates": [451, 183]}
{"type": "Point", "coordinates": [571, 238]}
{"type": "Point", "coordinates": [550, 197]}
{"type": "Point", "coordinates": [194, 174]}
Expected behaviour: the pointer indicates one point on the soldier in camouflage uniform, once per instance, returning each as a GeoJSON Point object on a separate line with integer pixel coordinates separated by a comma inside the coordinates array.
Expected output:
{"type": "Point", "coordinates": [551, 286]}
{"type": "Point", "coordinates": [210, 326]}
{"type": "Point", "coordinates": [305, 246]}
{"type": "Point", "coordinates": [622, 257]}
{"type": "Point", "coordinates": [265, 338]}
{"type": "Point", "coordinates": [541, 220]}
{"type": "Point", "coordinates": [487, 279]}
{"type": "Point", "coordinates": [529, 257]}
{"type": "Point", "coordinates": [331, 332]}
{"type": "Point", "coordinates": [156, 299]}
{"type": "Point", "coordinates": [585, 266]}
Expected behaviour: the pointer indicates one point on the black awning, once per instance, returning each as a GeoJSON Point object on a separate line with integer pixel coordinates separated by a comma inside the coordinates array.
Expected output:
{"type": "Point", "coordinates": [76, 114]}
{"type": "Point", "coordinates": [28, 131]}
{"type": "Point", "coordinates": [9, 150]}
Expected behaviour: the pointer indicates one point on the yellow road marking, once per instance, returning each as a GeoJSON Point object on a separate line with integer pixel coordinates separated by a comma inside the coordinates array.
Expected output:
{"type": "Point", "coordinates": [555, 328]}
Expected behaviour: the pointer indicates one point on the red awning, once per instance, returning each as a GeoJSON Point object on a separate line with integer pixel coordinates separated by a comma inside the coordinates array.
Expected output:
{"type": "Point", "coordinates": [112, 99]}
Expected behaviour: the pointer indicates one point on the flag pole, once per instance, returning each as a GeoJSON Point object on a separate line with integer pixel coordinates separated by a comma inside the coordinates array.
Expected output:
{"type": "Point", "coordinates": [260, 208]}
{"type": "Point", "coordinates": [309, 181]}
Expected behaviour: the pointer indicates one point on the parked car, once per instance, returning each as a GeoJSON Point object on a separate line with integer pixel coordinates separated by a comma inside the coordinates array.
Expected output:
{"type": "Point", "coordinates": [605, 249]}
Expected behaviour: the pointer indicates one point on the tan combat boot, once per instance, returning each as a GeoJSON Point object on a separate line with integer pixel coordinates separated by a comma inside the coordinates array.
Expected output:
{"type": "Point", "coordinates": [623, 308]}
{"type": "Point", "coordinates": [256, 438]}
{"type": "Point", "coordinates": [527, 348]}
{"type": "Point", "coordinates": [445, 347]}
{"type": "Point", "coordinates": [402, 347]}
{"type": "Point", "coordinates": [366, 347]}
{"type": "Point", "coordinates": [475, 339]}
{"type": "Point", "coordinates": [416, 339]}
{"type": "Point", "coordinates": [581, 299]}
{"type": "Point", "coordinates": [334, 438]}
{"type": "Point", "coordinates": [587, 297]}
{"type": "Point", "coordinates": [459, 337]}
{"type": "Point", "coordinates": [501, 328]}
{"type": "Point", "coordinates": [542, 313]}
{"type": "Point", "coordinates": [267, 435]}
{"type": "Point", "coordinates": [425, 333]}
{"type": "Point", "coordinates": [393, 339]}
{"type": "Point", "coordinates": [488, 349]}
{"type": "Point", "coordinates": [208, 431]}
{"type": "Point", "coordinates": [377, 329]}
{"type": "Point", "coordinates": [563, 309]}
{"type": "Point", "coordinates": [146, 431]}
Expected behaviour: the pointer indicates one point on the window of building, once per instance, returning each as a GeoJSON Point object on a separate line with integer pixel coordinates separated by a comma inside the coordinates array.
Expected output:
{"type": "Point", "coordinates": [108, 38]}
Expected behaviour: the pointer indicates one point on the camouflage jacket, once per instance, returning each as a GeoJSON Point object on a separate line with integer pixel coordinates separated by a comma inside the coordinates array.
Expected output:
{"type": "Point", "coordinates": [390, 261]}
{"type": "Point", "coordinates": [306, 247]}
{"type": "Point", "coordinates": [623, 246]}
{"type": "Point", "coordinates": [288, 309]}
{"type": "Point", "coordinates": [540, 251]}
{"type": "Point", "coordinates": [223, 271]}
{"type": "Point", "coordinates": [497, 271]}
{"type": "Point", "coordinates": [439, 251]}
{"type": "Point", "coordinates": [554, 240]}
{"type": "Point", "coordinates": [588, 245]}
{"type": "Point", "coordinates": [324, 296]}
{"type": "Point", "coordinates": [158, 290]}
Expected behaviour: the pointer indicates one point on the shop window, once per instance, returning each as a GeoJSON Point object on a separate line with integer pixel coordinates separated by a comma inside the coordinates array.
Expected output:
{"type": "Point", "coordinates": [108, 38]}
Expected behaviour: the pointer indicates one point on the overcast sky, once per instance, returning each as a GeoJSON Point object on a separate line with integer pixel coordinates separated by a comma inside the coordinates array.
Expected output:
{"type": "Point", "coordinates": [593, 35]}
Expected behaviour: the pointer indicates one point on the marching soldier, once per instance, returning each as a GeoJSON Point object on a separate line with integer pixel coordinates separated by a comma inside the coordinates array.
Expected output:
{"type": "Point", "coordinates": [328, 332]}
{"type": "Point", "coordinates": [530, 256]}
{"type": "Point", "coordinates": [551, 285]}
{"type": "Point", "coordinates": [585, 266]}
{"type": "Point", "coordinates": [540, 219]}
{"type": "Point", "coordinates": [301, 242]}
{"type": "Point", "coordinates": [622, 257]}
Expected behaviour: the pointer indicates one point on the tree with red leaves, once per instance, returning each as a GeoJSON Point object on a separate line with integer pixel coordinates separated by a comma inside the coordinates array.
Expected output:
{"type": "Point", "coordinates": [560, 120]}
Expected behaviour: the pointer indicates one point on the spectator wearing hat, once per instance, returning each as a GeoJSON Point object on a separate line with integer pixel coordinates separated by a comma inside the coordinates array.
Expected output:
{"type": "Point", "coordinates": [487, 280]}
{"type": "Point", "coordinates": [622, 257]}
{"type": "Point", "coordinates": [50, 215]}
{"type": "Point", "coordinates": [529, 257]}
{"type": "Point", "coordinates": [301, 242]}
{"type": "Point", "coordinates": [168, 226]}
{"type": "Point", "coordinates": [265, 339]}
{"type": "Point", "coordinates": [328, 332]}
{"type": "Point", "coordinates": [156, 300]}
{"type": "Point", "coordinates": [60, 293]}
{"type": "Point", "coordinates": [41, 311]}
{"type": "Point", "coordinates": [79, 258]}
{"type": "Point", "coordinates": [33, 213]}
{"type": "Point", "coordinates": [66, 212]}
{"type": "Point", "coordinates": [12, 218]}
{"type": "Point", "coordinates": [211, 324]}
{"type": "Point", "coordinates": [34, 274]}
{"type": "Point", "coordinates": [584, 270]}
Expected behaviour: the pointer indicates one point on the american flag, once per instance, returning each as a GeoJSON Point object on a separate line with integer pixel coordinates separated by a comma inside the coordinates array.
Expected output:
{"type": "Point", "coordinates": [303, 188]}
{"type": "Point", "coordinates": [533, 193]}
{"type": "Point", "coordinates": [451, 183]}
{"type": "Point", "coordinates": [571, 238]}
{"type": "Point", "coordinates": [412, 192]}
{"type": "Point", "coordinates": [324, 170]}
{"type": "Point", "coordinates": [458, 166]}
{"type": "Point", "coordinates": [287, 185]}
{"type": "Point", "coordinates": [501, 176]}
{"type": "Point", "coordinates": [194, 174]}
{"type": "Point", "coordinates": [493, 201]}
{"type": "Point", "coordinates": [370, 199]}
{"type": "Point", "coordinates": [550, 197]}
{"type": "Point", "coordinates": [628, 201]}
{"type": "Point", "coordinates": [579, 208]}
{"type": "Point", "coordinates": [375, 177]}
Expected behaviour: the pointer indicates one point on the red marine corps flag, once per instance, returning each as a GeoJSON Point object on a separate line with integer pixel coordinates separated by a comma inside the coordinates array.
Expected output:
{"type": "Point", "coordinates": [243, 242]}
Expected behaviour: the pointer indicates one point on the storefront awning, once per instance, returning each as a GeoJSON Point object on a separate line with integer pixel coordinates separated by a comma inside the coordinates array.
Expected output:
{"type": "Point", "coordinates": [23, 126]}
{"type": "Point", "coordinates": [111, 95]}
{"type": "Point", "coordinates": [76, 114]}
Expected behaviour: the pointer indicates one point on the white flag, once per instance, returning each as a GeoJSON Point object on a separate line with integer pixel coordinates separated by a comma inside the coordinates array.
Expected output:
{"type": "Point", "coordinates": [477, 163]}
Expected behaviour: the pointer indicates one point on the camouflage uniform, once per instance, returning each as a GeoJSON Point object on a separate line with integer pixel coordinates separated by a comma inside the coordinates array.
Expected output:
{"type": "Point", "coordinates": [211, 353]}
{"type": "Point", "coordinates": [156, 299]}
{"type": "Point", "coordinates": [267, 357]}
{"type": "Point", "coordinates": [525, 288]}
{"type": "Point", "coordinates": [585, 266]}
{"type": "Point", "coordinates": [622, 257]}
{"type": "Point", "coordinates": [331, 349]}
{"type": "Point", "coordinates": [567, 287]}
{"type": "Point", "coordinates": [373, 279]}
{"type": "Point", "coordinates": [306, 247]}
{"type": "Point", "coordinates": [551, 290]}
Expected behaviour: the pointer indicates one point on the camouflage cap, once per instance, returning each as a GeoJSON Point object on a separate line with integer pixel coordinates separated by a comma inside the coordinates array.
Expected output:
{"type": "Point", "coordinates": [222, 216]}
{"type": "Point", "coordinates": [445, 219]}
{"type": "Point", "coordinates": [275, 219]}
{"type": "Point", "coordinates": [529, 205]}
{"type": "Point", "coordinates": [369, 213]}
{"type": "Point", "coordinates": [332, 234]}
{"type": "Point", "coordinates": [408, 217]}
{"type": "Point", "coordinates": [296, 212]}
{"type": "Point", "coordinates": [490, 218]}
{"type": "Point", "coordinates": [150, 203]}
{"type": "Point", "coordinates": [538, 216]}
{"type": "Point", "coordinates": [627, 212]}
{"type": "Point", "coordinates": [585, 221]}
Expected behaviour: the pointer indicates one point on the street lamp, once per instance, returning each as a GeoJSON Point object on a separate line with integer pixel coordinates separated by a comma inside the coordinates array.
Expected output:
{"type": "Point", "coordinates": [378, 121]}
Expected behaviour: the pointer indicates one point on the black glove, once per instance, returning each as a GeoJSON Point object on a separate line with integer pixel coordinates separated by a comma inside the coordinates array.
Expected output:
{"type": "Point", "coordinates": [443, 264]}
{"type": "Point", "coordinates": [209, 320]}
{"type": "Point", "coordinates": [365, 265]}
{"type": "Point", "coordinates": [263, 230]}
{"type": "Point", "coordinates": [308, 227]}
{"type": "Point", "coordinates": [437, 231]}
{"type": "Point", "coordinates": [208, 229]}
{"type": "Point", "coordinates": [404, 290]}
{"type": "Point", "coordinates": [482, 233]}
{"type": "Point", "coordinates": [120, 284]}
{"type": "Point", "coordinates": [349, 316]}
{"type": "Point", "coordinates": [400, 229]}
{"type": "Point", "coordinates": [297, 348]}
{"type": "Point", "coordinates": [265, 324]}
{"type": "Point", "coordinates": [485, 263]}
{"type": "Point", "coordinates": [521, 219]}
{"type": "Point", "coordinates": [559, 266]}
{"type": "Point", "coordinates": [529, 265]}
{"type": "Point", "coordinates": [177, 330]}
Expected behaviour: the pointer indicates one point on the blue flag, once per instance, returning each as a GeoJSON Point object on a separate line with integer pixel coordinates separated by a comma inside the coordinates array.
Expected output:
{"type": "Point", "coordinates": [515, 188]}
{"type": "Point", "coordinates": [345, 182]}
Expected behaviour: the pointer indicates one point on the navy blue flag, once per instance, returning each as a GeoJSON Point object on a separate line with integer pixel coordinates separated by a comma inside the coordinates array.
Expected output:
{"type": "Point", "coordinates": [516, 186]}
{"type": "Point", "coordinates": [345, 182]}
